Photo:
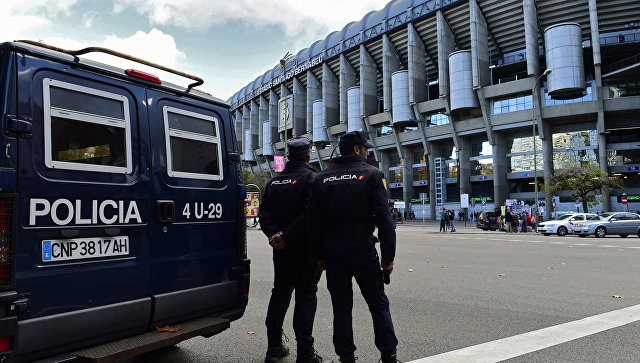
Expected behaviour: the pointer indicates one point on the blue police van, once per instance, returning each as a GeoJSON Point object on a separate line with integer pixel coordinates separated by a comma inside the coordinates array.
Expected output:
{"type": "Point", "coordinates": [121, 208]}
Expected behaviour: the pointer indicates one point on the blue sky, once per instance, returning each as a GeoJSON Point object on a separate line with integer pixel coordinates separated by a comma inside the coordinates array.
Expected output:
{"type": "Point", "coordinates": [227, 43]}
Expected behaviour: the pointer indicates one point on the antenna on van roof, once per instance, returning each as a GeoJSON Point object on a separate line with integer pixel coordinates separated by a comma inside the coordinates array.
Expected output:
{"type": "Point", "coordinates": [75, 53]}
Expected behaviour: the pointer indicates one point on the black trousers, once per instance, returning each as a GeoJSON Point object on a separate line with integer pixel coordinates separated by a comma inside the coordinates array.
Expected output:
{"type": "Point", "coordinates": [293, 271]}
{"type": "Point", "coordinates": [366, 271]}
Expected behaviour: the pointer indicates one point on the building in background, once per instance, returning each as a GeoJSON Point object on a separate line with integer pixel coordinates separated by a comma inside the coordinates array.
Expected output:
{"type": "Point", "coordinates": [445, 90]}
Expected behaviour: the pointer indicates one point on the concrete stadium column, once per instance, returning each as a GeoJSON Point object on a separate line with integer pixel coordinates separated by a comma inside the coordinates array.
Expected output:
{"type": "Point", "coordinates": [263, 117]}
{"type": "Point", "coordinates": [446, 46]}
{"type": "Point", "coordinates": [464, 166]}
{"type": "Point", "coordinates": [531, 37]}
{"type": "Point", "coordinates": [347, 80]}
{"type": "Point", "coordinates": [417, 67]}
{"type": "Point", "coordinates": [273, 116]}
{"type": "Point", "coordinates": [407, 178]}
{"type": "Point", "coordinates": [479, 46]}
{"type": "Point", "coordinates": [384, 167]}
{"type": "Point", "coordinates": [547, 157]}
{"type": "Point", "coordinates": [246, 134]}
{"type": "Point", "coordinates": [390, 64]}
{"type": "Point", "coordinates": [255, 124]}
{"type": "Point", "coordinates": [299, 108]}
{"type": "Point", "coordinates": [246, 118]}
{"type": "Point", "coordinates": [432, 183]}
{"type": "Point", "coordinates": [598, 92]}
{"type": "Point", "coordinates": [238, 130]}
{"type": "Point", "coordinates": [314, 92]}
{"type": "Point", "coordinates": [500, 182]}
{"type": "Point", "coordinates": [330, 101]}
{"type": "Point", "coordinates": [368, 83]}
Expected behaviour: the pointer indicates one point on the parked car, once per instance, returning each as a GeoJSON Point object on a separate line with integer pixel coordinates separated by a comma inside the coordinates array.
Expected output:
{"type": "Point", "coordinates": [564, 224]}
{"type": "Point", "coordinates": [620, 223]}
{"type": "Point", "coordinates": [487, 221]}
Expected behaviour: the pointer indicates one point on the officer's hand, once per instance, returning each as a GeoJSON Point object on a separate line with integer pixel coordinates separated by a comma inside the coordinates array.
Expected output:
{"type": "Point", "coordinates": [277, 242]}
{"type": "Point", "coordinates": [387, 266]}
{"type": "Point", "coordinates": [322, 265]}
{"type": "Point", "coordinates": [273, 240]}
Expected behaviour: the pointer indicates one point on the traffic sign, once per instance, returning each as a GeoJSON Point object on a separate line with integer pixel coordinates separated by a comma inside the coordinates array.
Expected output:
{"type": "Point", "coordinates": [577, 202]}
{"type": "Point", "coordinates": [484, 203]}
{"type": "Point", "coordinates": [623, 199]}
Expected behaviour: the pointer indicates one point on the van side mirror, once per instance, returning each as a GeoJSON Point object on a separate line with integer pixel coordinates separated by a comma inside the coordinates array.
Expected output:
{"type": "Point", "coordinates": [612, 220]}
{"type": "Point", "coordinates": [235, 157]}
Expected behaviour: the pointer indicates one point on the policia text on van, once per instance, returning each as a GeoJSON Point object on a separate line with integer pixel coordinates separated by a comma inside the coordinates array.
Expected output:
{"type": "Point", "coordinates": [121, 208]}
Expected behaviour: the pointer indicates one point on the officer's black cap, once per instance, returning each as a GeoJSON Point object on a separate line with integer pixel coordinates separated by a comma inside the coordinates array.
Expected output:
{"type": "Point", "coordinates": [299, 146]}
{"type": "Point", "coordinates": [355, 138]}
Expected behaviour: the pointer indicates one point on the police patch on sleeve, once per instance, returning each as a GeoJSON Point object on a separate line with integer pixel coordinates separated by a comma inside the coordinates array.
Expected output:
{"type": "Point", "coordinates": [384, 182]}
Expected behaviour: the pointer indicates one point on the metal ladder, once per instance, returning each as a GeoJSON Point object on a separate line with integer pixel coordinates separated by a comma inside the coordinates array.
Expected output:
{"type": "Point", "coordinates": [440, 182]}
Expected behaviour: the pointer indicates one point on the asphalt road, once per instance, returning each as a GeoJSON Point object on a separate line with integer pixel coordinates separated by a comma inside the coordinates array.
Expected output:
{"type": "Point", "coordinates": [454, 290]}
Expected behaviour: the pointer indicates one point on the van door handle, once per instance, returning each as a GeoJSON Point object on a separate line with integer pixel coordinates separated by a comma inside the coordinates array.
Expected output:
{"type": "Point", "coordinates": [165, 211]}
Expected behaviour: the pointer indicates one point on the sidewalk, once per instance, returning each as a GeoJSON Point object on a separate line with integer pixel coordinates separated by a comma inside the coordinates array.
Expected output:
{"type": "Point", "coordinates": [434, 226]}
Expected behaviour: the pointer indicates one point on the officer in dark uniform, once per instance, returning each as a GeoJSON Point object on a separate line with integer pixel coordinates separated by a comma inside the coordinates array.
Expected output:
{"type": "Point", "coordinates": [283, 219]}
{"type": "Point", "coordinates": [349, 200]}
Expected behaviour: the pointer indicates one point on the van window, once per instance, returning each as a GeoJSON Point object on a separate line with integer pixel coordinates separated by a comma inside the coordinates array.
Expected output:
{"type": "Point", "coordinates": [86, 129]}
{"type": "Point", "coordinates": [193, 145]}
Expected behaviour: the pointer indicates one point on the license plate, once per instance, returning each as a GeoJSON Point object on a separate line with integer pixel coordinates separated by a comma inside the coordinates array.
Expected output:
{"type": "Point", "coordinates": [84, 248]}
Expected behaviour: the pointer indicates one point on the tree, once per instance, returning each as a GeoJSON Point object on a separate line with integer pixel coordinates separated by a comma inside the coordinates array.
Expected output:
{"type": "Point", "coordinates": [583, 181]}
{"type": "Point", "coordinates": [260, 179]}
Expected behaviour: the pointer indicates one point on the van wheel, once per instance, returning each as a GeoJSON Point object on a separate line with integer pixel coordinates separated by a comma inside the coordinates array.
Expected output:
{"type": "Point", "coordinates": [562, 231]}
{"type": "Point", "coordinates": [623, 235]}
{"type": "Point", "coordinates": [600, 232]}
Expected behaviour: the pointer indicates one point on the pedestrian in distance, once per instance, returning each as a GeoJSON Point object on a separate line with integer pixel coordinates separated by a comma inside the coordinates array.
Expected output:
{"type": "Point", "coordinates": [349, 201]}
{"type": "Point", "coordinates": [443, 220]}
{"type": "Point", "coordinates": [284, 220]}
{"type": "Point", "coordinates": [508, 219]}
{"type": "Point", "coordinates": [447, 220]}
{"type": "Point", "coordinates": [452, 219]}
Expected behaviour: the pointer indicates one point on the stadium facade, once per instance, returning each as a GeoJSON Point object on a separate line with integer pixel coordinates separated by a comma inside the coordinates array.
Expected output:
{"type": "Point", "coordinates": [449, 92]}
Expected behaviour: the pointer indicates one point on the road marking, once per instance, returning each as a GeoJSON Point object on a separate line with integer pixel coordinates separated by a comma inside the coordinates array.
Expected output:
{"type": "Point", "coordinates": [633, 247]}
{"type": "Point", "coordinates": [608, 246]}
{"type": "Point", "coordinates": [583, 244]}
{"type": "Point", "coordinates": [558, 243]}
{"type": "Point", "coordinates": [517, 345]}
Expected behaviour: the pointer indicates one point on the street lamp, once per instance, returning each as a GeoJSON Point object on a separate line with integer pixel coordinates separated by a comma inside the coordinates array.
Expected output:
{"type": "Point", "coordinates": [535, 148]}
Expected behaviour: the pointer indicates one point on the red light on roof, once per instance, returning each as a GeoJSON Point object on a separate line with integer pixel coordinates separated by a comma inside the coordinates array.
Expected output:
{"type": "Point", "coordinates": [143, 75]}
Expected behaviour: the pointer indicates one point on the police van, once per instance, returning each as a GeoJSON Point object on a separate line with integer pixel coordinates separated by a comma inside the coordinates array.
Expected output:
{"type": "Point", "coordinates": [121, 208]}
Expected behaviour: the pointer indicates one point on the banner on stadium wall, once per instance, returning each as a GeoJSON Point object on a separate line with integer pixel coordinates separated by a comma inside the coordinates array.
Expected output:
{"type": "Point", "coordinates": [278, 163]}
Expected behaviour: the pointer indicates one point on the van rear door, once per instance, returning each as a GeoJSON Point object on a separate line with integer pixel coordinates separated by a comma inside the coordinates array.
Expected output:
{"type": "Point", "coordinates": [194, 250]}
{"type": "Point", "coordinates": [83, 248]}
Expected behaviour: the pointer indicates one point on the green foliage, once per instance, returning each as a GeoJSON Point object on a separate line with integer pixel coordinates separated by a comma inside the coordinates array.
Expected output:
{"type": "Point", "coordinates": [260, 179]}
{"type": "Point", "coordinates": [583, 181]}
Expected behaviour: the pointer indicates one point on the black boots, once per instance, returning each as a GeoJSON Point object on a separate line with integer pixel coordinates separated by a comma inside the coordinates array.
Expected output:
{"type": "Point", "coordinates": [351, 359]}
{"type": "Point", "coordinates": [390, 359]}
{"type": "Point", "coordinates": [306, 354]}
{"type": "Point", "coordinates": [276, 348]}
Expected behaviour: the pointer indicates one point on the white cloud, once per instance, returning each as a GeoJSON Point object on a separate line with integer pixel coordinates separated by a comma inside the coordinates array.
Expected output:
{"type": "Point", "coordinates": [141, 45]}
{"type": "Point", "coordinates": [302, 20]}
{"type": "Point", "coordinates": [21, 18]}
{"type": "Point", "coordinates": [88, 18]}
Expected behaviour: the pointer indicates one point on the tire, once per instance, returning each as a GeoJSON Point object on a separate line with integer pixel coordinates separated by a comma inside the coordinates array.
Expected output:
{"type": "Point", "coordinates": [562, 231]}
{"type": "Point", "coordinates": [600, 232]}
{"type": "Point", "coordinates": [623, 235]}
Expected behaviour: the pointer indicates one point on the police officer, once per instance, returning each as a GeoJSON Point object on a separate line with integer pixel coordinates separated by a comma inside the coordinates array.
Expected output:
{"type": "Point", "coordinates": [349, 200]}
{"type": "Point", "coordinates": [282, 218]}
